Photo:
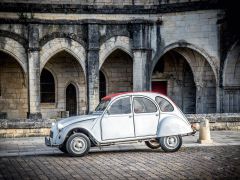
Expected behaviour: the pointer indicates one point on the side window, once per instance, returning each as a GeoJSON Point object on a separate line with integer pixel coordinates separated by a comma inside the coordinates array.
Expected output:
{"type": "Point", "coordinates": [121, 106]}
{"type": "Point", "coordinates": [143, 105]}
{"type": "Point", "coordinates": [164, 104]}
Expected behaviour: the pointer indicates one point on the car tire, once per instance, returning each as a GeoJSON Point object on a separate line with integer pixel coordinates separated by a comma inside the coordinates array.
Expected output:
{"type": "Point", "coordinates": [153, 144]}
{"type": "Point", "coordinates": [78, 144]}
{"type": "Point", "coordinates": [171, 143]}
{"type": "Point", "coordinates": [63, 148]}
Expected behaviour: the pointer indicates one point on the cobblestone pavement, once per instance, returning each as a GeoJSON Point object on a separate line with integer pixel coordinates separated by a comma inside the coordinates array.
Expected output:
{"type": "Point", "coordinates": [29, 158]}
{"type": "Point", "coordinates": [213, 162]}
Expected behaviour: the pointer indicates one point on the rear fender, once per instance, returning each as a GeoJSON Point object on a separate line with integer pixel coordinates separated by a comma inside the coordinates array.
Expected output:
{"type": "Point", "coordinates": [170, 126]}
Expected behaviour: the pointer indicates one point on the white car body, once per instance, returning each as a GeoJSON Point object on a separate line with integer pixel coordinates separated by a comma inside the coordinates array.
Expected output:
{"type": "Point", "coordinates": [103, 128]}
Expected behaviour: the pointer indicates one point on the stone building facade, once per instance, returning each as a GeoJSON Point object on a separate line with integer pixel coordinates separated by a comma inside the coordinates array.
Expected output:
{"type": "Point", "coordinates": [63, 56]}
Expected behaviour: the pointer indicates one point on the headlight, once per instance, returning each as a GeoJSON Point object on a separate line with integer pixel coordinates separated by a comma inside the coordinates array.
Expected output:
{"type": "Point", "coordinates": [53, 124]}
{"type": "Point", "coordinates": [60, 126]}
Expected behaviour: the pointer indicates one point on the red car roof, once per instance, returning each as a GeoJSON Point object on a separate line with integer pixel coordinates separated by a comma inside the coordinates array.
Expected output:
{"type": "Point", "coordinates": [109, 97]}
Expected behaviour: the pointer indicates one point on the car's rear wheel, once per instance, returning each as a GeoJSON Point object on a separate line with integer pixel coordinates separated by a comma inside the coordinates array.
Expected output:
{"type": "Point", "coordinates": [153, 144]}
{"type": "Point", "coordinates": [171, 143]}
{"type": "Point", "coordinates": [78, 144]}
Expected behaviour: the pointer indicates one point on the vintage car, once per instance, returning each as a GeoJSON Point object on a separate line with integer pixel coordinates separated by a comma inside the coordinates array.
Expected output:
{"type": "Point", "coordinates": [120, 118]}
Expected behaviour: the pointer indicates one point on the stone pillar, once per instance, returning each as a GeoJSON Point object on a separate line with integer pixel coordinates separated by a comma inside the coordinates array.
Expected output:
{"type": "Point", "coordinates": [93, 67]}
{"type": "Point", "coordinates": [199, 98]}
{"type": "Point", "coordinates": [218, 99]}
{"type": "Point", "coordinates": [141, 57]}
{"type": "Point", "coordinates": [34, 111]}
{"type": "Point", "coordinates": [140, 70]}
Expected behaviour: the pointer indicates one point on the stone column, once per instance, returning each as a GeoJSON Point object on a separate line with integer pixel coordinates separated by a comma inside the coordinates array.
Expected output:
{"type": "Point", "coordinates": [140, 70]}
{"type": "Point", "coordinates": [34, 111]}
{"type": "Point", "coordinates": [199, 98]}
{"type": "Point", "coordinates": [141, 57]}
{"type": "Point", "coordinates": [93, 67]}
{"type": "Point", "coordinates": [219, 99]}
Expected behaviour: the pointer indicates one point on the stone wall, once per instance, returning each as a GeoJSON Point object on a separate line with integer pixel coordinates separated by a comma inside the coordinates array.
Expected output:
{"type": "Point", "coordinates": [91, 30]}
{"type": "Point", "coordinates": [13, 95]}
{"type": "Point", "coordinates": [102, 2]}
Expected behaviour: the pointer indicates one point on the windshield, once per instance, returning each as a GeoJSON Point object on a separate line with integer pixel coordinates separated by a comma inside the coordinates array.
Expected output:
{"type": "Point", "coordinates": [102, 105]}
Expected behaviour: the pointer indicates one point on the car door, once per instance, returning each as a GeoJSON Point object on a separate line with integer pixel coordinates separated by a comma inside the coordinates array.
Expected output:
{"type": "Point", "coordinates": [117, 122]}
{"type": "Point", "coordinates": [146, 116]}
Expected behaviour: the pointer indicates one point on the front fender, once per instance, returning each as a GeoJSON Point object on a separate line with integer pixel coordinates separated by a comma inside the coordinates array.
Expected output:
{"type": "Point", "coordinates": [65, 131]}
{"type": "Point", "coordinates": [172, 125]}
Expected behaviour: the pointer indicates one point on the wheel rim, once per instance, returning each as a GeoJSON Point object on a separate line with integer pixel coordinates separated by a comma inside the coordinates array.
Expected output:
{"type": "Point", "coordinates": [78, 145]}
{"type": "Point", "coordinates": [171, 142]}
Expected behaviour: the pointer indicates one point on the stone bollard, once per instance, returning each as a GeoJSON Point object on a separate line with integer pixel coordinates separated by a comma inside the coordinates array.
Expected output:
{"type": "Point", "coordinates": [204, 132]}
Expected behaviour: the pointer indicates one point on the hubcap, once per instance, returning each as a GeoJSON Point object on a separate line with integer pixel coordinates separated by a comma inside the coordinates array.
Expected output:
{"type": "Point", "coordinates": [171, 141]}
{"type": "Point", "coordinates": [78, 145]}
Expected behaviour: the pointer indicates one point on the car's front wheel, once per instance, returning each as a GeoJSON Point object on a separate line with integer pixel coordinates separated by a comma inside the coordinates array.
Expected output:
{"type": "Point", "coordinates": [78, 144]}
{"type": "Point", "coordinates": [171, 143]}
{"type": "Point", "coordinates": [153, 144]}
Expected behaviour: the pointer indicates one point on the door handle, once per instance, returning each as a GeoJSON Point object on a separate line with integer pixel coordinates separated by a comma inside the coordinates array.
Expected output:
{"type": "Point", "coordinates": [157, 114]}
{"type": "Point", "coordinates": [130, 116]}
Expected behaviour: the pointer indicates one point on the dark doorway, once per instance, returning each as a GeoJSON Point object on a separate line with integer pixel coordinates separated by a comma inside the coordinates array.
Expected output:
{"type": "Point", "coordinates": [159, 86]}
{"type": "Point", "coordinates": [71, 100]}
{"type": "Point", "coordinates": [102, 85]}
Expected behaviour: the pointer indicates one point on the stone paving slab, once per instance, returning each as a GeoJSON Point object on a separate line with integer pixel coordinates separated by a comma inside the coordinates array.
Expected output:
{"type": "Point", "coordinates": [36, 146]}
{"type": "Point", "coordinates": [205, 162]}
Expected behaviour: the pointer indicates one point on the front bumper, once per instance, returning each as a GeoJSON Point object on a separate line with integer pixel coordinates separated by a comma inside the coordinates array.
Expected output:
{"type": "Point", "coordinates": [48, 141]}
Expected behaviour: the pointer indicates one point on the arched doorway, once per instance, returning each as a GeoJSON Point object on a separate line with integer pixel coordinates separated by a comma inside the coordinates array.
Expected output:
{"type": "Point", "coordinates": [71, 100]}
{"type": "Point", "coordinates": [231, 80]}
{"type": "Point", "coordinates": [102, 85]}
{"type": "Point", "coordinates": [118, 67]}
{"type": "Point", "coordinates": [66, 68]}
{"type": "Point", "coordinates": [173, 77]}
{"type": "Point", "coordinates": [191, 81]}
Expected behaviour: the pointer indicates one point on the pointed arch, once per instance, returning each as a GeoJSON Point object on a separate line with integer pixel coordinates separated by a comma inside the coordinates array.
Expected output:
{"type": "Point", "coordinates": [231, 66]}
{"type": "Point", "coordinates": [16, 50]}
{"type": "Point", "coordinates": [62, 44]}
{"type": "Point", "coordinates": [200, 51]}
{"type": "Point", "coordinates": [123, 43]}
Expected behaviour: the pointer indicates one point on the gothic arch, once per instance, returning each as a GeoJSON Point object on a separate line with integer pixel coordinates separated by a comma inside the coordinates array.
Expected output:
{"type": "Point", "coordinates": [230, 77]}
{"type": "Point", "coordinates": [59, 44]}
{"type": "Point", "coordinates": [16, 50]}
{"type": "Point", "coordinates": [189, 46]}
{"type": "Point", "coordinates": [118, 42]}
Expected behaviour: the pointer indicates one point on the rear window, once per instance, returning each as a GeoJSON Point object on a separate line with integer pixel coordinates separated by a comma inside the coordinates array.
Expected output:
{"type": "Point", "coordinates": [164, 104]}
{"type": "Point", "coordinates": [143, 105]}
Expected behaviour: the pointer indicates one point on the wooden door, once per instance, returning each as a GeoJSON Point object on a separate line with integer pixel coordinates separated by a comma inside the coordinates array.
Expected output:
{"type": "Point", "coordinates": [159, 86]}
{"type": "Point", "coordinates": [71, 100]}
